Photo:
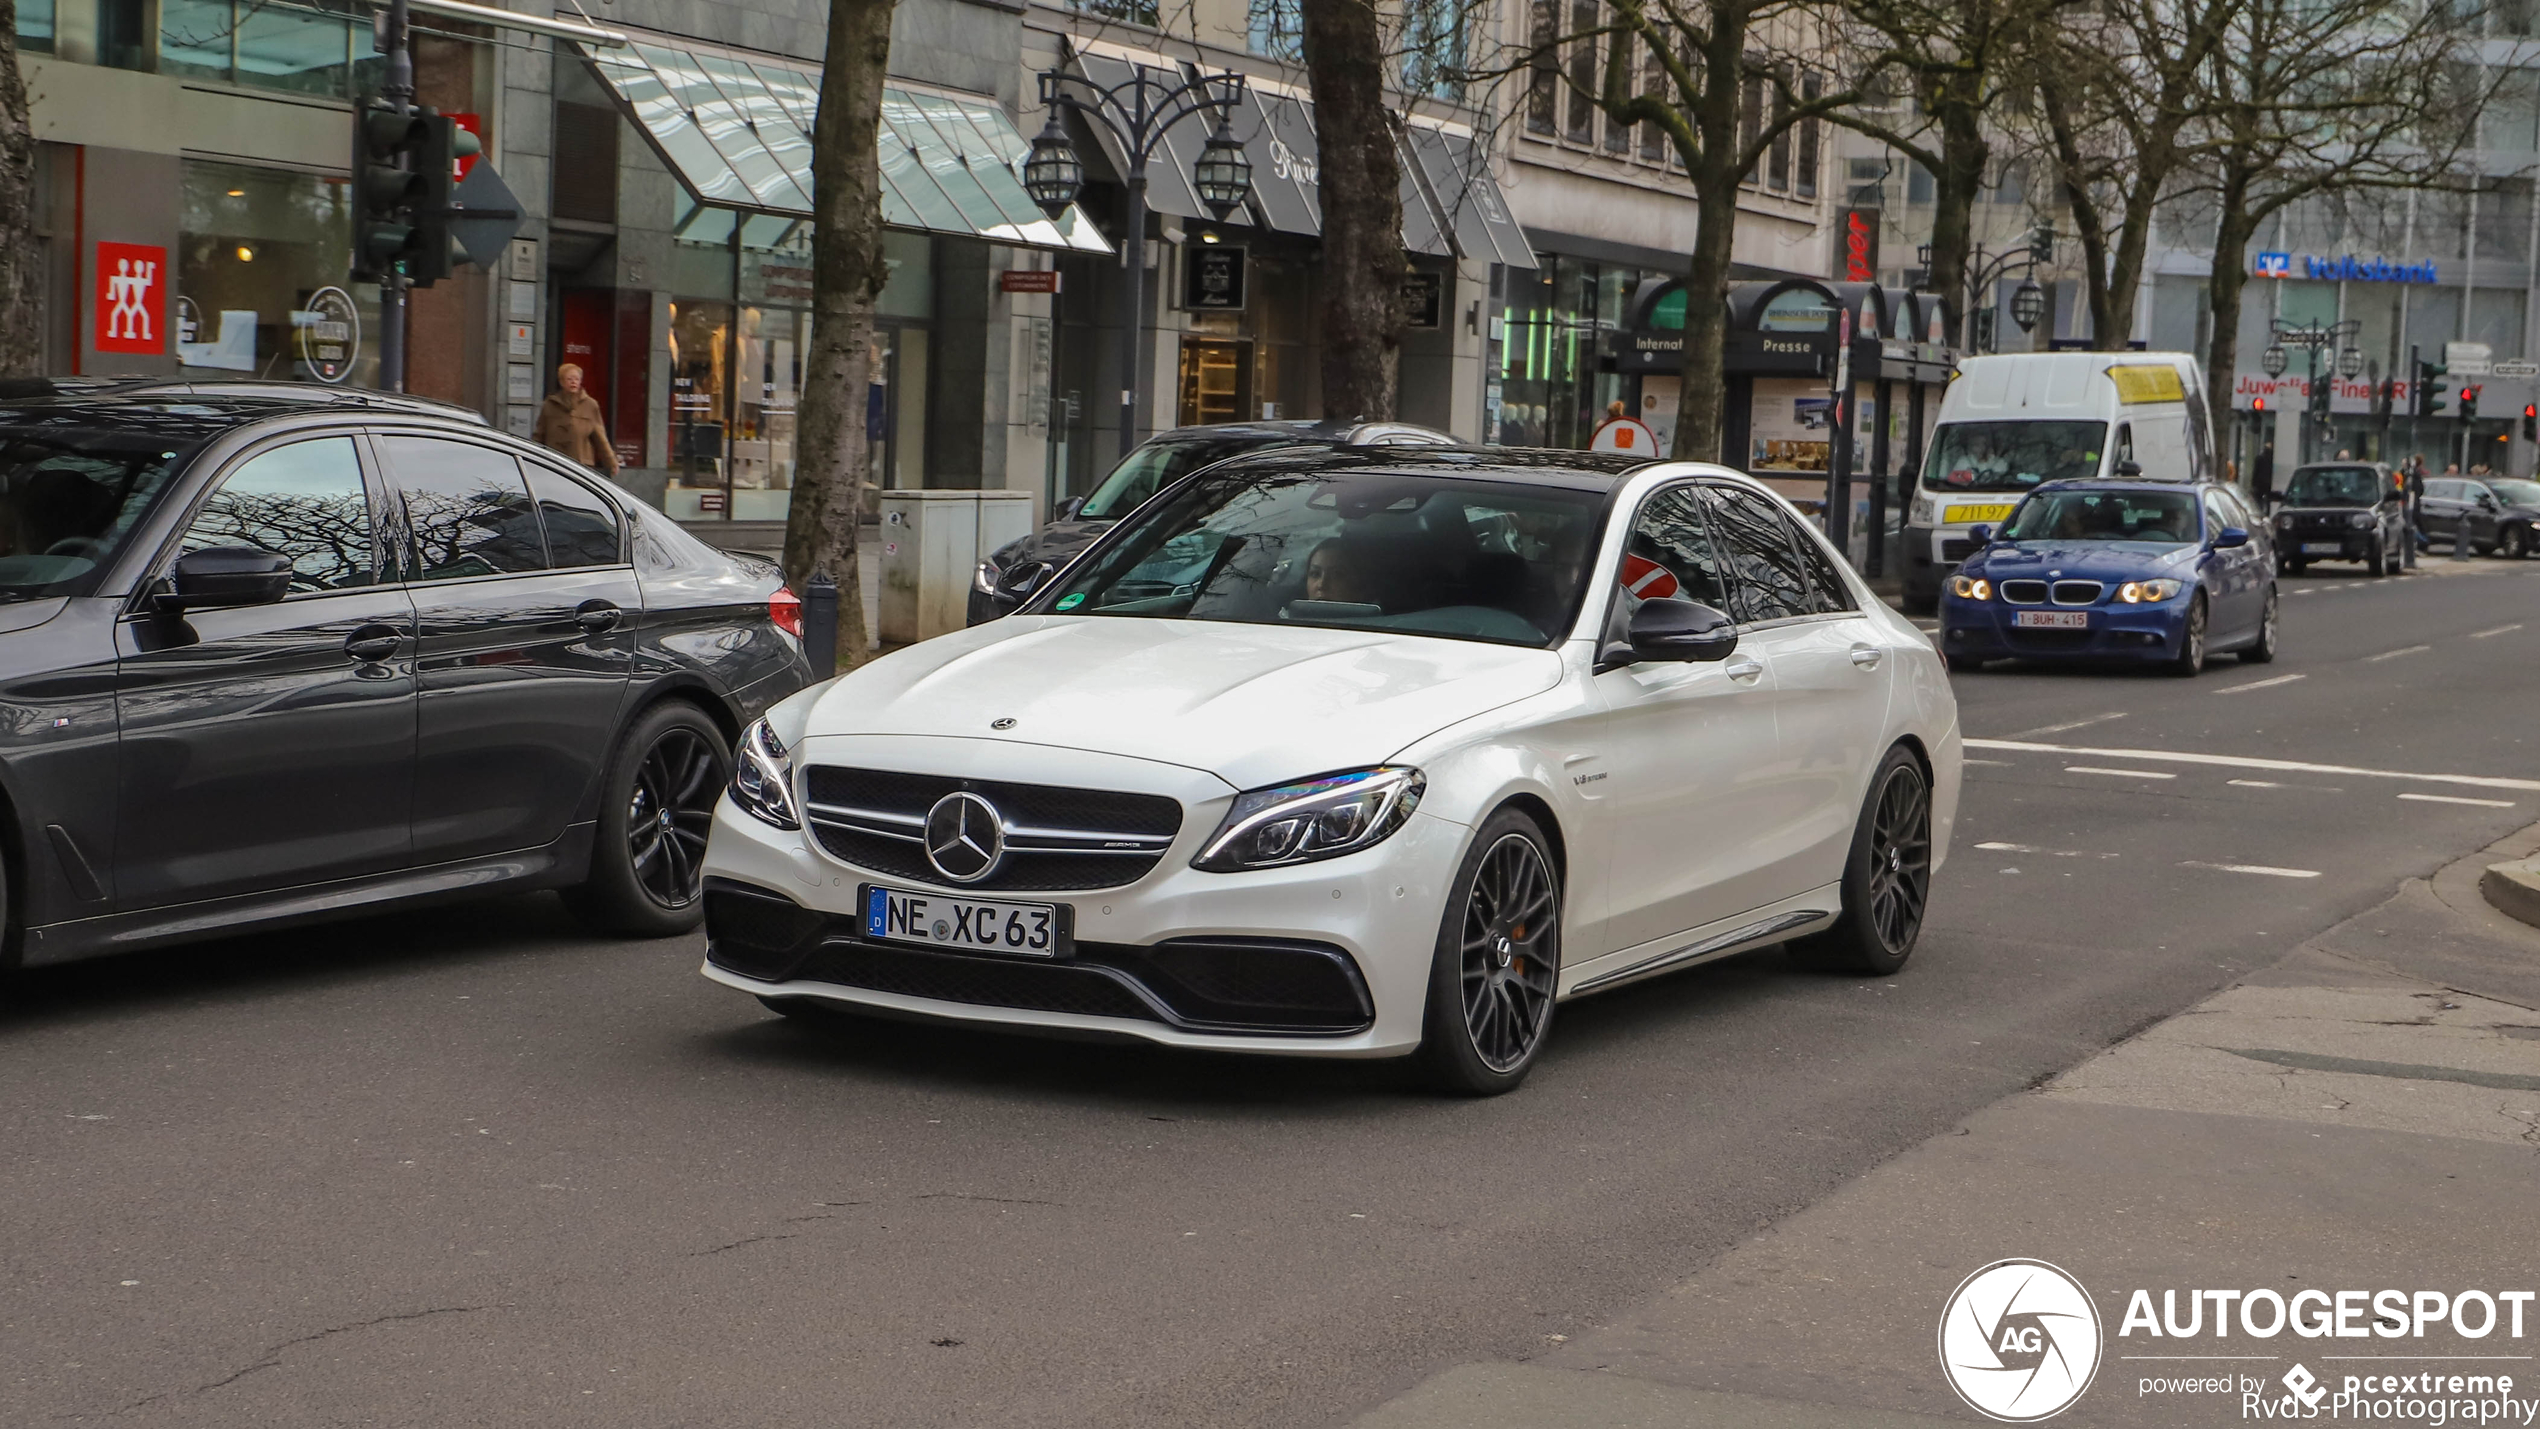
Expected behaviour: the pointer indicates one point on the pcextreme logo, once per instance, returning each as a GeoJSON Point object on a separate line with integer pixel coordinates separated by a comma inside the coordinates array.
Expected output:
{"type": "Point", "coordinates": [2019, 1341]}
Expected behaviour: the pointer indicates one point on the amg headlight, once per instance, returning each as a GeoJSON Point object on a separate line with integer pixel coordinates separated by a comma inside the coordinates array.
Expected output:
{"type": "Point", "coordinates": [2148, 592]}
{"type": "Point", "coordinates": [1317, 818]}
{"type": "Point", "coordinates": [2361, 520]}
{"type": "Point", "coordinates": [763, 778]}
{"type": "Point", "coordinates": [1971, 588]}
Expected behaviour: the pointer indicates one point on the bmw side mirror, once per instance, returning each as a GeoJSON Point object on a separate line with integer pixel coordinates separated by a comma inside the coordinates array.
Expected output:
{"type": "Point", "coordinates": [1980, 535]}
{"type": "Point", "coordinates": [1681, 630]}
{"type": "Point", "coordinates": [1019, 582]}
{"type": "Point", "coordinates": [2229, 537]}
{"type": "Point", "coordinates": [219, 576]}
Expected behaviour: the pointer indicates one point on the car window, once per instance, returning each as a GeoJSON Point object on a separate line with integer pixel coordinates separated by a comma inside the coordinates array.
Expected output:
{"type": "Point", "coordinates": [2442, 490]}
{"type": "Point", "coordinates": [304, 501]}
{"type": "Point", "coordinates": [1669, 555]}
{"type": "Point", "coordinates": [2166, 517]}
{"type": "Point", "coordinates": [1827, 593]}
{"type": "Point", "coordinates": [2217, 513]}
{"type": "Point", "coordinates": [580, 523]}
{"type": "Point", "coordinates": [467, 511]}
{"type": "Point", "coordinates": [1154, 466]}
{"type": "Point", "coordinates": [1766, 578]}
{"type": "Point", "coordinates": [2334, 486]}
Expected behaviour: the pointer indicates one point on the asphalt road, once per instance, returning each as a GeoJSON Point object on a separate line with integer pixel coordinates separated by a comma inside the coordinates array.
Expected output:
{"type": "Point", "coordinates": [470, 1168]}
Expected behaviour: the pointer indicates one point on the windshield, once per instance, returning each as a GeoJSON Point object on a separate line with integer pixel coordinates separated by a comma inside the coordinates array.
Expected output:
{"type": "Point", "coordinates": [1472, 560]}
{"type": "Point", "coordinates": [1150, 468]}
{"type": "Point", "coordinates": [2166, 517]}
{"type": "Point", "coordinates": [2515, 493]}
{"type": "Point", "coordinates": [68, 499]}
{"type": "Point", "coordinates": [2334, 486]}
{"type": "Point", "coordinates": [2011, 456]}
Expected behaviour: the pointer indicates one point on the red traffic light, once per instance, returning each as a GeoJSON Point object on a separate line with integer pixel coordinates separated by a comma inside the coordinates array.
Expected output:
{"type": "Point", "coordinates": [2530, 410]}
{"type": "Point", "coordinates": [2469, 394]}
{"type": "Point", "coordinates": [2258, 404]}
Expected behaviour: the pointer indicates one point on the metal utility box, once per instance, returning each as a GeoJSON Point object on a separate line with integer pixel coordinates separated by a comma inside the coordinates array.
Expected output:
{"type": "Point", "coordinates": [932, 543]}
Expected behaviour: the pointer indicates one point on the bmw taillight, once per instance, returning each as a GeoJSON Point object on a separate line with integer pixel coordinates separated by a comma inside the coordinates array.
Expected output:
{"type": "Point", "coordinates": [786, 609]}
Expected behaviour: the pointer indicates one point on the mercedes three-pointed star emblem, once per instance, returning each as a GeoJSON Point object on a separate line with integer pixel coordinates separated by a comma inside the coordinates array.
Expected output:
{"type": "Point", "coordinates": [965, 837]}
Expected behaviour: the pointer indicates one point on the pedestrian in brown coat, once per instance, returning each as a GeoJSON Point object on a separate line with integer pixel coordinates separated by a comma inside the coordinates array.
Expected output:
{"type": "Point", "coordinates": [569, 422]}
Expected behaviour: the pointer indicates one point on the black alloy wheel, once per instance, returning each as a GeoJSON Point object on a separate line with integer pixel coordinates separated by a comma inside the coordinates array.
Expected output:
{"type": "Point", "coordinates": [2514, 542]}
{"type": "Point", "coordinates": [648, 854]}
{"type": "Point", "coordinates": [1886, 877]}
{"type": "Point", "coordinates": [2191, 640]}
{"type": "Point", "coordinates": [1498, 962]}
{"type": "Point", "coordinates": [2262, 650]}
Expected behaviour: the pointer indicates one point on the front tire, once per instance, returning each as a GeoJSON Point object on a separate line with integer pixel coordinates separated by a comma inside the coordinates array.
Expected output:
{"type": "Point", "coordinates": [2379, 563]}
{"type": "Point", "coordinates": [2191, 641]}
{"type": "Point", "coordinates": [1886, 877]}
{"type": "Point", "coordinates": [2514, 543]}
{"type": "Point", "coordinates": [657, 802]}
{"type": "Point", "coordinates": [1497, 964]}
{"type": "Point", "coordinates": [2262, 651]}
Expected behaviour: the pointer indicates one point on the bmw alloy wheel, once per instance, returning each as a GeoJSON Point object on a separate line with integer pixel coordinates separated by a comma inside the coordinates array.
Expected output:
{"type": "Point", "coordinates": [667, 818]}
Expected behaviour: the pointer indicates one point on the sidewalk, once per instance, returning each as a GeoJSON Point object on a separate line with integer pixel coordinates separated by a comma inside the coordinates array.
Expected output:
{"type": "Point", "coordinates": [2364, 1114]}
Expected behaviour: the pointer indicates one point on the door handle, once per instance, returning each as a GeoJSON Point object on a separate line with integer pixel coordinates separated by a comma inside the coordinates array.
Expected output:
{"type": "Point", "coordinates": [1867, 656]}
{"type": "Point", "coordinates": [371, 644]}
{"type": "Point", "coordinates": [1743, 671]}
{"type": "Point", "coordinates": [597, 617]}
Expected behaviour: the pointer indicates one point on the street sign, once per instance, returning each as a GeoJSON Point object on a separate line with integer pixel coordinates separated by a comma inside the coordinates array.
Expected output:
{"type": "Point", "coordinates": [484, 215]}
{"type": "Point", "coordinates": [2467, 359]}
{"type": "Point", "coordinates": [1028, 280]}
{"type": "Point", "coordinates": [2513, 367]}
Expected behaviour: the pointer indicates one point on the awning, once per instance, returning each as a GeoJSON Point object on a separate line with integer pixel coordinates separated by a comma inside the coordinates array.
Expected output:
{"type": "Point", "coordinates": [1459, 179]}
{"type": "Point", "coordinates": [736, 129]}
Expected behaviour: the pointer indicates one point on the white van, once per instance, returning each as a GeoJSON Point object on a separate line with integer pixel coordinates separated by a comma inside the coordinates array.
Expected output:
{"type": "Point", "coordinates": [2011, 421]}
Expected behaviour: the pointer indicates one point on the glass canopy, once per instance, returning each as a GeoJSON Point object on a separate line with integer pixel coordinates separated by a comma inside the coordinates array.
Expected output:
{"type": "Point", "coordinates": [736, 129]}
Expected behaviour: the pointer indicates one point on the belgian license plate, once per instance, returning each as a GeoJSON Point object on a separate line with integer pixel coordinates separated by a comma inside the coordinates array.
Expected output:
{"type": "Point", "coordinates": [1995, 511]}
{"type": "Point", "coordinates": [2053, 619]}
{"type": "Point", "coordinates": [975, 925]}
{"type": "Point", "coordinates": [2322, 548]}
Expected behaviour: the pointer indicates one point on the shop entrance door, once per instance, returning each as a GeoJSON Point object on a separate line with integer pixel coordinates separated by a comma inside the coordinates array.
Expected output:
{"type": "Point", "coordinates": [1216, 381]}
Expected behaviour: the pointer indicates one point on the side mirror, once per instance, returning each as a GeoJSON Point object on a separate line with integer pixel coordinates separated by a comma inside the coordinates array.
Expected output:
{"type": "Point", "coordinates": [220, 576]}
{"type": "Point", "coordinates": [1681, 630]}
{"type": "Point", "coordinates": [2229, 537]}
{"type": "Point", "coordinates": [1019, 581]}
{"type": "Point", "coordinates": [2129, 468]}
{"type": "Point", "coordinates": [2486, 502]}
{"type": "Point", "coordinates": [1067, 509]}
{"type": "Point", "coordinates": [1980, 535]}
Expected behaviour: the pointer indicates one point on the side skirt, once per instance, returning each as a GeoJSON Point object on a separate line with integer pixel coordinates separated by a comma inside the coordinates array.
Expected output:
{"type": "Point", "coordinates": [1730, 936]}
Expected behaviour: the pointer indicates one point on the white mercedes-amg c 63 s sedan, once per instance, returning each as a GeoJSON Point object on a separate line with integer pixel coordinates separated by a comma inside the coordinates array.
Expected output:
{"type": "Point", "coordinates": [1355, 753]}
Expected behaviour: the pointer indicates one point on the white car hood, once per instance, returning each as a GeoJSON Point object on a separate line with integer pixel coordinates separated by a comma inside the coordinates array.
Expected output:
{"type": "Point", "coordinates": [1253, 704]}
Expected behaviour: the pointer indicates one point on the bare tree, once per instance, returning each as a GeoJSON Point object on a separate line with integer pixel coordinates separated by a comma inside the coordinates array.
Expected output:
{"type": "Point", "coordinates": [21, 268]}
{"type": "Point", "coordinates": [848, 272]}
{"type": "Point", "coordinates": [1361, 193]}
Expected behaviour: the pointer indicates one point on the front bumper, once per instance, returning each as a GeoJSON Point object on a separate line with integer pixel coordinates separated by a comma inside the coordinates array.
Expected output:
{"type": "Point", "coordinates": [1180, 958]}
{"type": "Point", "coordinates": [1984, 630]}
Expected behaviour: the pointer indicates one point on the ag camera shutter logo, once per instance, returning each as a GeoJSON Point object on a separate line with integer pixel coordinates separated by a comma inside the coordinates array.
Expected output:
{"type": "Point", "coordinates": [2019, 1341]}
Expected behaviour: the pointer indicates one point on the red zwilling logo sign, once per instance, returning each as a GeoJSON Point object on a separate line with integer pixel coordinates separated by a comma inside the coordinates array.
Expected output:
{"type": "Point", "coordinates": [132, 298]}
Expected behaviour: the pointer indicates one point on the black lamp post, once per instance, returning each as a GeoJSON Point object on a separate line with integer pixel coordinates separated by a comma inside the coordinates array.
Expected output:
{"type": "Point", "coordinates": [1986, 268]}
{"type": "Point", "coordinates": [1137, 113]}
{"type": "Point", "coordinates": [2028, 304]}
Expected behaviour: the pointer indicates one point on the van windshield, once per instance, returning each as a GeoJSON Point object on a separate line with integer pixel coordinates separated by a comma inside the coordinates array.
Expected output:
{"type": "Point", "coordinates": [2011, 456]}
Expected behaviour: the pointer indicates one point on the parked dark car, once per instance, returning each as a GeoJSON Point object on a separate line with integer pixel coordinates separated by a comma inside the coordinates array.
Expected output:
{"type": "Point", "coordinates": [2496, 511]}
{"type": "Point", "coordinates": [1155, 464]}
{"type": "Point", "coordinates": [272, 658]}
{"type": "Point", "coordinates": [2341, 511]}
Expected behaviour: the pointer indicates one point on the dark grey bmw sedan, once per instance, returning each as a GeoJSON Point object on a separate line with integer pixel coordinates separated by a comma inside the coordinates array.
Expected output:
{"type": "Point", "coordinates": [272, 656]}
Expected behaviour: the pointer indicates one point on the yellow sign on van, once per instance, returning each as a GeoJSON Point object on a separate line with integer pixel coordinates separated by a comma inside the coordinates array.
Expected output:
{"type": "Point", "coordinates": [1994, 511]}
{"type": "Point", "coordinates": [2147, 382]}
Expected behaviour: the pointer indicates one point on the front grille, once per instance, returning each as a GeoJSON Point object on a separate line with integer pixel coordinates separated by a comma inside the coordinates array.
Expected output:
{"type": "Point", "coordinates": [2077, 592]}
{"type": "Point", "coordinates": [1056, 838]}
{"type": "Point", "coordinates": [2024, 592]}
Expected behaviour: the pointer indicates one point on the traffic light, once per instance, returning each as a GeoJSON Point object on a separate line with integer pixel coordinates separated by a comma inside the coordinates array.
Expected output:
{"type": "Point", "coordinates": [437, 166]}
{"type": "Point", "coordinates": [2531, 421]}
{"type": "Point", "coordinates": [2041, 245]}
{"type": "Point", "coordinates": [2322, 386]}
{"type": "Point", "coordinates": [385, 186]}
{"type": "Point", "coordinates": [2425, 399]}
{"type": "Point", "coordinates": [2469, 403]}
{"type": "Point", "coordinates": [2257, 404]}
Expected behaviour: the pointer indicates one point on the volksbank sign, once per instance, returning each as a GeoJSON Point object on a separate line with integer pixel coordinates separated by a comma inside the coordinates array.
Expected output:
{"type": "Point", "coordinates": [2348, 267]}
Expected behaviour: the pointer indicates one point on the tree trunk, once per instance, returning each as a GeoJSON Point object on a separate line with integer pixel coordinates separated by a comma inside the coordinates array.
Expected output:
{"type": "Point", "coordinates": [1963, 152]}
{"type": "Point", "coordinates": [21, 267]}
{"type": "Point", "coordinates": [1701, 387]}
{"type": "Point", "coordinates": [2225, 283]}
{"type": "Point", "coordinates": [847, 277]}
{"type": "Point", "coordinates": [1361, 189]}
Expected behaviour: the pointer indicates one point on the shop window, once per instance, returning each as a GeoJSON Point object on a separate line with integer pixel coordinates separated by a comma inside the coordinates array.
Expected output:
{"type": "Point", "coordinates": [1216, 382]}
{"type": "Point", "coordinates": [1276, 28]}
{"type": "Point", "coordinates": [1581, 125]}
{"type": "Point", "coordinates": [700, 332]}
{"type": "Point", "coordinates": [261, 287]}
{"type": "Point", "coordinates": [1543, 80]}
{"type": "Point", "coordinates": [123, 34]}
{"type": "Point", "coordinates": [35, 27]}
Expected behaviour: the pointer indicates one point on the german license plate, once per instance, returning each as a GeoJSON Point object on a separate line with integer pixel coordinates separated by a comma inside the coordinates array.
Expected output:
{"type": "Point", "coordinates": [2322, 548]}
{"type": "Point", "coordinates": [973, 925]}
{"type": "Point", "coordinates": [2053, 619]}
{"type": "Point", "coordinates": [1961, 515]}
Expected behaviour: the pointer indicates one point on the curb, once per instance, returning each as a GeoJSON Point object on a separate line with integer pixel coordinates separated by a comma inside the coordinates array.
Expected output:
{"type": "Point", "coordinates": [2513, 889]}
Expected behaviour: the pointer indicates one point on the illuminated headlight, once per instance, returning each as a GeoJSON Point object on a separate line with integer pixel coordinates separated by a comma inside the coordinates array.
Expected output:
{"type": "Point", "coordinates": [1970, 588]}
{"type": "Point", "coordinates": [2361, 520]}
{"type": "Point", "coordinates": [763, 778]}
{"type": "Point", "coordinates": [1318, 818]}
{"type": "Point", "coordinates": [984, 580]}
{"type": "Point", "coordinates": [2148, 592]}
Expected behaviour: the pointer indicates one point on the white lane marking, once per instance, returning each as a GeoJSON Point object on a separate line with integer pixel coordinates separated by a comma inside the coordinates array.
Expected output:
{"type": "Point", "coordinates": [2258, 868]}
{"type": "Point", "coordinates": [2049, 852]}
{"type": "Point", "coordinates": [2004, 763]}
{"type": "Point", "coordinates": [2457, 799]}
{"type": "Point", "coordinates": [2120, 773]}
{"type": "Point", "coordinates": [2240, 761]}
{"type": "Point", "coordinates": [2499, 630]}
{"type": "Point", "coordinates": [2260, 684]}
{"type": "Point", "coordinates": [2395, 654]}
{"type": "Point", "coordinates": [2074, 724]}
{"type": "Point", "coordinates": [2271, 784]}
{"type": "Point", "coordinates": [2256, 783]}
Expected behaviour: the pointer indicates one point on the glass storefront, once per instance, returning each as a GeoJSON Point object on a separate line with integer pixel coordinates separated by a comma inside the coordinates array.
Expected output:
{"type": "Point", "coordinates": [261, 288]}
{"type": "Point", "coordinates": [1551, 391]}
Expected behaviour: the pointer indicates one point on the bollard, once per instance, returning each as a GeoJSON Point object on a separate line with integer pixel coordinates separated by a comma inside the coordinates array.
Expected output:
{"type": "Point", "coordinates": [820, 624]}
